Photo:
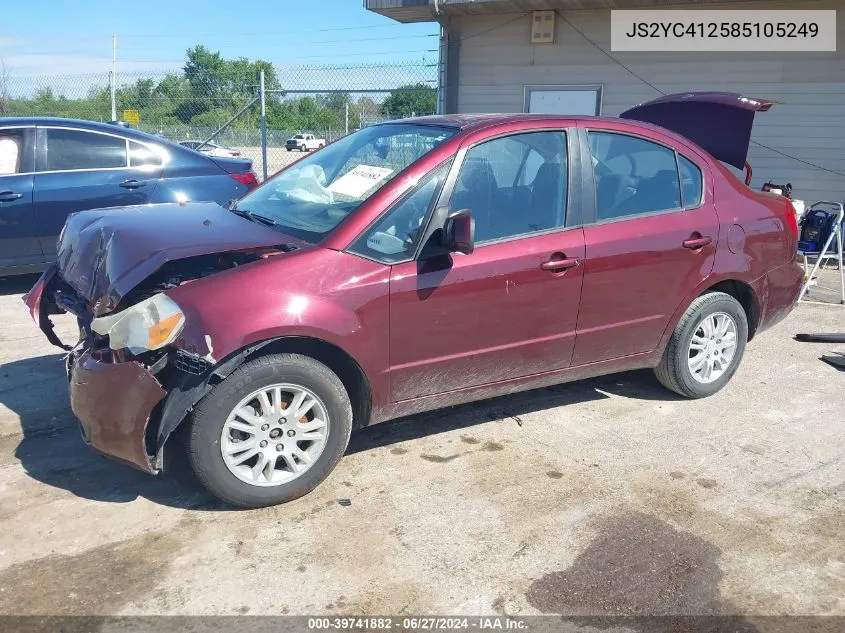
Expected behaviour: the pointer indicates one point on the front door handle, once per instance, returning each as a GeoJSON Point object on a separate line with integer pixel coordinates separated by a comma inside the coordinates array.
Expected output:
{"type": "Point", "coordinates": [10, 196]}
{"type": "Point", "coordinates": [556, 265]}
{"type": "Point", "coordinates": [132, 184]}
{"type": "Point", "coordinates": [696, 241]}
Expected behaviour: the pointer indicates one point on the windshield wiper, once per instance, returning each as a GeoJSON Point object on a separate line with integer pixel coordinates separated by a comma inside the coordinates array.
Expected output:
{"type": "Point", "coordinates": [255, 217]}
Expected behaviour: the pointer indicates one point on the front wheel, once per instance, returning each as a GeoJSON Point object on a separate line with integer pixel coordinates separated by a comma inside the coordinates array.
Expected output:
{"type": "Point", "coordinates": [271, 432]}
{"type": "Point", "coordinates": [706, 347]}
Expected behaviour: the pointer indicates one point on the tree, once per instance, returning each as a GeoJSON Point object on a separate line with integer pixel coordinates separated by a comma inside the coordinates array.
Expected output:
{"type": "Point", "coordinates": [412, 99]}
{"type": "Point", "coordinates": [205, 72]}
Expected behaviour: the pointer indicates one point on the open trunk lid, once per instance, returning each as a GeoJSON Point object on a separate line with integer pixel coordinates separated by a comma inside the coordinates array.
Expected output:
{"type": "Point", "coordinates": [719, 122]}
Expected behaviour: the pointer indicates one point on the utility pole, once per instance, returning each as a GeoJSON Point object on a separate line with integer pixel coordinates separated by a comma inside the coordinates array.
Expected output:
{"type": "Point", "coordinates": [346, 125]}
{"type": "Point", "coordinates": [263, 125]}
{"type": "Point", "coordinates": [113, 77]}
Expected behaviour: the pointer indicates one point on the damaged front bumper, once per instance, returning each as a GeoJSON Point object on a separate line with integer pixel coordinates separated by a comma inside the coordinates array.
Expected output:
{"type": "Point", "coordinates": [114, 403]}
{"type": "Point", "coordinates": [126, 408]}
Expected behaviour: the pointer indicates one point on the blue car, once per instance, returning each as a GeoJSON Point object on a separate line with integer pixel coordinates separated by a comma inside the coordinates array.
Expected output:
{"type": "Point", "coordinates": [50, 168]}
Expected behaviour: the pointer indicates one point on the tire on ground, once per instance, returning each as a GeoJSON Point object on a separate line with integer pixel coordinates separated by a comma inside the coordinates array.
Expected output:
{"type": "Point", "coordinates": [674, 372]}
{"type": "Point", "coordinates": [206, 421]}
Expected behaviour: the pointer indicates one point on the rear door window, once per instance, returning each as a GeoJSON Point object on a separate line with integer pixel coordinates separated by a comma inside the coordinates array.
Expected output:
{"type": "Point", "coordinates": [141, 155]}
{"type": "Point", "coordinates": [633, 176]}
{"type": "Point", "coordinates": [68, 150]}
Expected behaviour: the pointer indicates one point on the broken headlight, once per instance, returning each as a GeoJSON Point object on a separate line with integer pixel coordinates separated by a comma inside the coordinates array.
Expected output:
{"type": "Point", "coordinates": [148, 325]}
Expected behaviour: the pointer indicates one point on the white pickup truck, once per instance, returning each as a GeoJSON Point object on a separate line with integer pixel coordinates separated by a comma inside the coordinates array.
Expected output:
{"type": "Point", "coordinates": [304, 142]}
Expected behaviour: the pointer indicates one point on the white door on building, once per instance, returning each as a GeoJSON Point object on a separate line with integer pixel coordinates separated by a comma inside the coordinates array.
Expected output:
{"type": "Point", "coordinates": [564, 100]}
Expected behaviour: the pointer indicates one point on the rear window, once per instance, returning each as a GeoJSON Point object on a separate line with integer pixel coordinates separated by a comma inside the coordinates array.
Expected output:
{"type": "Point", "coordinates": [77, 149]}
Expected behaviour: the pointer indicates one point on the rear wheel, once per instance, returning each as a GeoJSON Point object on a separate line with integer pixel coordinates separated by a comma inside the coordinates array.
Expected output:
{"type": "Point", "coordinates": [270, 432]}
{"type": "Point", "coordinates": [706, 347]}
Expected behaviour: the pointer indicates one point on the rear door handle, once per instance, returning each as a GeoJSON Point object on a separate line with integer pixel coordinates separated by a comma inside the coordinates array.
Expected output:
{"type": "Point", "coordinates": [558, 265]}
{"type": "Point", "coordinates": [132, 184]}
{"type": "Point", "coordinates": [694, 243]}
{"type": "Point", "coordinates": [10, 196]}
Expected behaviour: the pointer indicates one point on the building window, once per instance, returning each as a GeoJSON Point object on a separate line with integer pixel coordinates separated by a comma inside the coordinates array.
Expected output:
{"type": "Point", "coordinates": [565, 100]}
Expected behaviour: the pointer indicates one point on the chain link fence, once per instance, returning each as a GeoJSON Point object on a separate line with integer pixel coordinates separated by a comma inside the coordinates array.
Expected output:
{"type": "Point", "coordinates": [221, 102]}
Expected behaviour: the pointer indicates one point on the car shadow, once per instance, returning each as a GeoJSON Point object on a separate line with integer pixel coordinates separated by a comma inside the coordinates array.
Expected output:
{"type": "Point", "coordinates": [638, 385]}
{"type": "Point", "coordinates": [52, 451]}
{"type": "Point", "coordinates": [17, 285]}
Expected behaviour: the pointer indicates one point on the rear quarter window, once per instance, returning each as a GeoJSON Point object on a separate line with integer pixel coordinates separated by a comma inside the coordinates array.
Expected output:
{"type": "Point", "coordinates": [692, 182]}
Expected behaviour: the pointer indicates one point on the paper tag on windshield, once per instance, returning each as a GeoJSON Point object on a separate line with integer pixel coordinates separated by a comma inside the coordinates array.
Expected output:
{"type": "Point", "coordinates": [359, 180]}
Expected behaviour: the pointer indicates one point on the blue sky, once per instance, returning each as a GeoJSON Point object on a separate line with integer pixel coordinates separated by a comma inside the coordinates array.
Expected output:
{"type": "Point", "coordinates": [37, 37]}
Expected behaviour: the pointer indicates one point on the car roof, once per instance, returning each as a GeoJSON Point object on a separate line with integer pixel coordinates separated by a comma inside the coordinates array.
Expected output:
{"type": "Point", "coordinates": [80, 124]}
{"type": "Point", "coordinates": [471, 122]}
{"type": "Point", "coordinates": [468, 122]}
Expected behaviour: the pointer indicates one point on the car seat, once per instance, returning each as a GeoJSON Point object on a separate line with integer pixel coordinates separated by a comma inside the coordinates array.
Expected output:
{"type": "Point", "coordinates": [477, 193]}
{"type": "Point", "coordinates": [608, 193]}
{"type": "Point", "coordinates": [658, 193]}
{"type": "Point", "coordinates": [547, 192]}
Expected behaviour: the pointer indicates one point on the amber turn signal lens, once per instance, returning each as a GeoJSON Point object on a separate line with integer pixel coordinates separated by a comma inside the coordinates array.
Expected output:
{"type": "Point", "coordinates": [159, 333]}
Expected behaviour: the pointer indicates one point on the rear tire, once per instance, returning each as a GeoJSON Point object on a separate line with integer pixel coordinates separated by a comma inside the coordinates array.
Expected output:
{"type": "Point", "coordinates": [209, 426]}
{"type": "Point", "coordinates": [699, 359]}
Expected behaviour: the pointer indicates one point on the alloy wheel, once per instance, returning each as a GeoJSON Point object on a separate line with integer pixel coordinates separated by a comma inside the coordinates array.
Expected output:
{"type": "Point", "coordinates": [274, 435]}
{"type": "Point", "coordinates": [712, 347]}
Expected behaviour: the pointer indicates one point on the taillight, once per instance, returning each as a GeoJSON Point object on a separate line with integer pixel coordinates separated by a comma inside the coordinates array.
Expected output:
{"type": "Point", "coordinates": [791, 218]}
{"type": "Point", "coordinates": [249, 179]}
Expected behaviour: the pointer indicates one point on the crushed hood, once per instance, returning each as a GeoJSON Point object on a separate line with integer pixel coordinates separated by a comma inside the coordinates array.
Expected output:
{"type": "Point", "coordinates": [718, 122]}
{"type": "Point", "coordinates": [104, 253]}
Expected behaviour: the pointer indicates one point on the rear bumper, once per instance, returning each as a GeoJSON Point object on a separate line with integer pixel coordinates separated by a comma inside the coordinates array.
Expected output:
{"type": "Point", "coordinates": [778, 292]}
{"type": "Point", "coordinates": [114, 401]}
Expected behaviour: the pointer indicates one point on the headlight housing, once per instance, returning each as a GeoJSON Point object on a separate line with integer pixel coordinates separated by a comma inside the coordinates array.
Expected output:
{"type": "Point", "coordinates": [148, 325]}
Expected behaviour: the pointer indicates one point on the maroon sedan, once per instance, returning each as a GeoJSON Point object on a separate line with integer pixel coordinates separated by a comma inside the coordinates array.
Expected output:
{"type": "Point", "coordinates": [414, 265]}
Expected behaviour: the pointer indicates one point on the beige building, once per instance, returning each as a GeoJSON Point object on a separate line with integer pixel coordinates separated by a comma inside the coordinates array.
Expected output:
{"type": "Point", "coordinates": [490, 64]}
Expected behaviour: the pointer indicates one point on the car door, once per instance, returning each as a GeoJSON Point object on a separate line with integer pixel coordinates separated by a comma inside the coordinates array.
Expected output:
{"type": "Point", "coordinates": [19, 245]}
{"type": "Point", "coordinates": [510, 308]}
{"type": "Point", "coordinates": [80, 169]}
{"type": "Point", "coordinates": [651, 242]}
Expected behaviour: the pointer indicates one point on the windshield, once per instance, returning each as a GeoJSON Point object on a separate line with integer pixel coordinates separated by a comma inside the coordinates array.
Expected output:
{"type": "Point", "coordinates": [312, 197]}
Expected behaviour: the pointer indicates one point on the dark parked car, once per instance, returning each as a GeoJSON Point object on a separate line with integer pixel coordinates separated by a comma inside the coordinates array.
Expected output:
{"type": "Point", "coordinates": [50, 168]}
{"type": "Point", "coordinates": [414, 265]}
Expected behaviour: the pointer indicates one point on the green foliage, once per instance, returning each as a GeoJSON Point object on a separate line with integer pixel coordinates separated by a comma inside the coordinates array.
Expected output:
{"type": "Point", "coordinates": [409, 100]}
{"type": "Point", "coordinates": [210, 89]}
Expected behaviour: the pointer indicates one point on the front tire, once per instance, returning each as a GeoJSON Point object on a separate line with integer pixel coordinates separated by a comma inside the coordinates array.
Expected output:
{"type": "Point", "coordinates": [706, 347]}
{"type": "Point", "coordinates": [270, 432]}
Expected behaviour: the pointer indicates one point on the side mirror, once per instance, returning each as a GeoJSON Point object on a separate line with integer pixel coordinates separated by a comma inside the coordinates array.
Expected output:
{"type": "Point", "coordinates": [459, 235]}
